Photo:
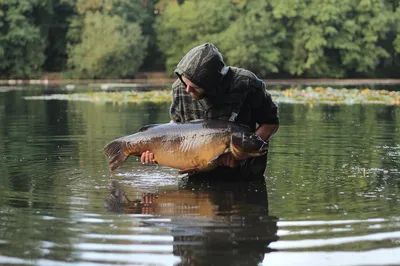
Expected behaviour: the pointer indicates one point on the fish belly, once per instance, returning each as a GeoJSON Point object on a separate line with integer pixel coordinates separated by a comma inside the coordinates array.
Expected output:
{"type": "Point", "coordinates": [197, 157]}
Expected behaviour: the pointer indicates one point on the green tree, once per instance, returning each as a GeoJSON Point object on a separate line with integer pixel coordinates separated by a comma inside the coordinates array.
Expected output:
{"type": "Point", "coordinates": [54, 24]}
{"type": "Point", "coordinates": [106, 37]}
{"type": "Point", "coordinates": [331, 38]}
{"type": "Point", "coordinates": [180, 27]}
{"type": "Point", "coordinates": [110, 47]}
{"type": "Point", "coordinates": [245, 32]}
{"type": "Point", "coordinates": [315, 38]}
{"type": "Point", "coordinates": [396, 41]}
{"type": "Point", "coordinates": [21, 45]}
{"type": "Point", "coordinates": [144, 13]}
{"type": "Point", "coordinates": [254, 40]}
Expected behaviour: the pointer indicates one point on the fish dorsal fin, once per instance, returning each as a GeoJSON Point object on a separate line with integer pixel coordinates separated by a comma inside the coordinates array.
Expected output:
{"type": "Point", "coordinates": [146, 127]}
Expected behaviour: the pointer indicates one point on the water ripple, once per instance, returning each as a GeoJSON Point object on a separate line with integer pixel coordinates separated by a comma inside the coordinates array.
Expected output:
{"type": "Point", "coordinates": [125, 247]}
{"type": "Point", "coordinates": [384, 256]}
{"type": "Point", "coordinates": [133, 258]}
{"type": "Point", "coordinates": [140, 238]}
{"type": "Point", "coordinates": [333, 222]}
{"type": "Point", "coordinates": [309, 243]}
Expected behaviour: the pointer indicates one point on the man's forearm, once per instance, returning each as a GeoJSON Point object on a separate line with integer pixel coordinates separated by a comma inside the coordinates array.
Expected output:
{"type": "Point", "coordinates": [266, 131]}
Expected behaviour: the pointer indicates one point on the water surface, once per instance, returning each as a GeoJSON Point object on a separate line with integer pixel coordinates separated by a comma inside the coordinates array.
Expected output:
{"type": "Point", "coordinates": [331, 194]}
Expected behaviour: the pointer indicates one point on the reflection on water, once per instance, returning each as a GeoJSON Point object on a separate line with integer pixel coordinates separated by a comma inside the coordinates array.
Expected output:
{"type": "Point", "coordinates": [330, 197]}
{"type": "Point", "coordinates": [211, 222]}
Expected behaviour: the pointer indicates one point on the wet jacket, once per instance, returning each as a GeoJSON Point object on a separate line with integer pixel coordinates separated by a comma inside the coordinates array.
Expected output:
{"type": "Point", "coordinates": [231, 93]}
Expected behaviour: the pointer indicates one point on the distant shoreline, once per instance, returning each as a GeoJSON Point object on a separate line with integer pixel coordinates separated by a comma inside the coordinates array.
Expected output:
{"type": "Point", "coordinates": [169, 81]}
{"type": "Point", "coordinates": [82, 81]}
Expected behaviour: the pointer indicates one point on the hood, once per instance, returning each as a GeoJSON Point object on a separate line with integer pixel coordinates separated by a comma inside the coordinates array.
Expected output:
{"type": "Point", "coordinates": [204, 66]}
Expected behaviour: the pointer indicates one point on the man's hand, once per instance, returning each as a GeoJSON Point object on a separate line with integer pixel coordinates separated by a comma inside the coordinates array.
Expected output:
{"type": "Point", "coordinates": [147, 157]}
{"type": "Point", "coordinates": [227, 160]}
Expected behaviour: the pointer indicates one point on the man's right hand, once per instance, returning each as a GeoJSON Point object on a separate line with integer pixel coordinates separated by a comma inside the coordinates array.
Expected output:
{"type": "Point", "coordinates": [148, 157]}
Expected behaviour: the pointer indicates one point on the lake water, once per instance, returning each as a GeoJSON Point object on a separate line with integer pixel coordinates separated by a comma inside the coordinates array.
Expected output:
{"type": "Point", "coordinates": [331, 195]}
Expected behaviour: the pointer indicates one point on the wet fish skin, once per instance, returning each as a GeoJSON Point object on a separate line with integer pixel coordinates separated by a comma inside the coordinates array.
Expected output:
{"type": "Point", "coordinates": [192, 146]}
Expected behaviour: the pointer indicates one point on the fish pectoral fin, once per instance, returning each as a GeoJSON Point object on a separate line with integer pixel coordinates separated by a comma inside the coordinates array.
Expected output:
{"type": "Point", "coordinates": [214, 160]}
{"type": "Point", "coordinates": [189, 171]}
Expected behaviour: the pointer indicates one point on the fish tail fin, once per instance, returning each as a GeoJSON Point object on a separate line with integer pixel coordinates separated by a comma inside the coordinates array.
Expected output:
{"type": "Point", "coordinates": [115, 153]}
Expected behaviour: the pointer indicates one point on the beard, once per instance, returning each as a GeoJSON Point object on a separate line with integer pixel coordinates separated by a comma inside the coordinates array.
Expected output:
{"type": "Point", "coordinates": [197, 95]}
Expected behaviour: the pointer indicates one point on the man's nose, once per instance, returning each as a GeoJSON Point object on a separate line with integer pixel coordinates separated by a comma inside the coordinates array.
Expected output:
{"type": "Point", "coordinates": [188, 88]}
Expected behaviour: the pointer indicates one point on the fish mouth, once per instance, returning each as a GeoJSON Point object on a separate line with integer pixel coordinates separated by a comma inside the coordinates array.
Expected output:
{"type": "Point", "coordinates": [245, 145]}
{"type": "Point", "coordinates": [240, 154]}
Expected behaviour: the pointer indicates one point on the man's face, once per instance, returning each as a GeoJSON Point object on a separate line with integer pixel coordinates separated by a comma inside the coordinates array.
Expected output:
{"type": "Point", "coordinates": [194, 91]}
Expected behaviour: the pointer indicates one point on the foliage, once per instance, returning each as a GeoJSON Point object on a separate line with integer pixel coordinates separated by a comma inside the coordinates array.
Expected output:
{"type": "Point", "coordinates": [142, 12]}
{"type": "Point", "coordinates": [330, 37]}
{"type": "Point", "coordinates": [54, 26]}
{"type": "Point", "coordinates": [110, 47]}
{"type": "Point", "coordinates": [107, 39]}
{"type": "Point", "coordinates": [396, 41]}
{"type": "Point", "coordinates": [253, 40]}
{"type": "Point", "coordinates": [273, 38]}
{"type": "Point", "coordinates": [21, 45]}
{"type": "Point", "coordinates": [302, 38]}
{"type": "Point", "coordinates": [181, 27]}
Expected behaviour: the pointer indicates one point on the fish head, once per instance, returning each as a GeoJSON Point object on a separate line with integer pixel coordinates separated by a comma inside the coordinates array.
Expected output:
{"type": "Point", "coordinates": [244, 145]}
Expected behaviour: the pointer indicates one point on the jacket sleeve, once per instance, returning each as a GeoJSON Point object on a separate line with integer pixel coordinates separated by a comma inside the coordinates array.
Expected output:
{"type": "Point", "coordinates": [264, 109]}
{"type": "Point", "coordinates": [174, 111]}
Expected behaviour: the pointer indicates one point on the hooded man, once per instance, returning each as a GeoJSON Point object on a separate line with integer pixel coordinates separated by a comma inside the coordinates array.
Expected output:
{"type": "Point", "coordinates": [207, 89]}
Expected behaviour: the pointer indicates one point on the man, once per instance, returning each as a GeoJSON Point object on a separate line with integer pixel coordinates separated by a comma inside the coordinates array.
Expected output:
{"type": "Point", "coordinates": [207, 89]}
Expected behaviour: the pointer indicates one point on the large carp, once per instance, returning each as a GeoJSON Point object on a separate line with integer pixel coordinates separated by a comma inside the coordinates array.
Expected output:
{"type": "Point", "coordinates": [190, 147]}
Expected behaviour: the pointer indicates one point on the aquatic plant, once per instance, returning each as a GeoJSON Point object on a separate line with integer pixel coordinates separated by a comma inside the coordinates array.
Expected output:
{"type": "Point", "coordinates": [330, 95]}
{"type": "Point", "coordinates": [307, 95]}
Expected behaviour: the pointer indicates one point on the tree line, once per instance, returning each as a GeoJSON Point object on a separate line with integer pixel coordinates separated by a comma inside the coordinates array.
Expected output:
{"type": "Point", "coordinates": [273, 38]}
